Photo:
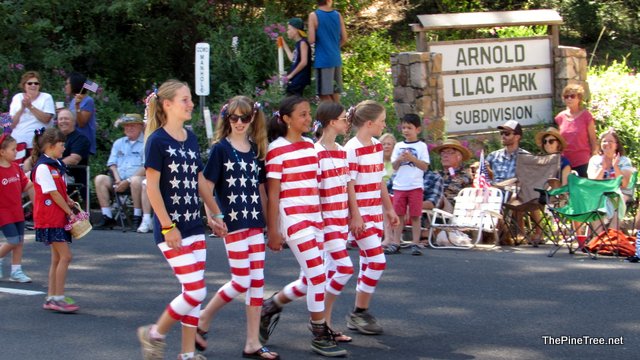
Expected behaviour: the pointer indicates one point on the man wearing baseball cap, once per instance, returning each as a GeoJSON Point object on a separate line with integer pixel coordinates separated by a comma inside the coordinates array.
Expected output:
{"type": "Point", "coordinates": [503, 162]}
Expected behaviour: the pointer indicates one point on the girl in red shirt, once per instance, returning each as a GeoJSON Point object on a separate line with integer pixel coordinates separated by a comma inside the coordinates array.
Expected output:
{"type": "Point", "coordinates": [13, 183]}
{"type": "Point", "coordinates": [51, 212]}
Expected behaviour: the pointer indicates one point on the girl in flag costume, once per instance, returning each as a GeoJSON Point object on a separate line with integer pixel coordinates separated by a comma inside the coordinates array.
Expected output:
{"type": "Point", "coordinates": [174, 184]}
{"type": "Point", "coordinates": [293, 215]}
{"type": "Point", "coordinates": [51, 212]}
{"type": "Point", "coordinates": [236, 172]}
{"type": "Point", "coordinates": [334, 177]}
{"type": "Point", "coordinates": [368, 198]}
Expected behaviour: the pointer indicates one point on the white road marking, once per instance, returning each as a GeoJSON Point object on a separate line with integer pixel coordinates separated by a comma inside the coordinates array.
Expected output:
{"type": "Point", "coordinates": [19, 291]}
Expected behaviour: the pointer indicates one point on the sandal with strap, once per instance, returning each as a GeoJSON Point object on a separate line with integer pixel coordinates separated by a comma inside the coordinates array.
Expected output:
{"type": "Point", "coordinates": [201, 339]}
{"type": "Point", "coordinates": [339, 336]}
{"type": "Point", "coordinates": [258, 354]}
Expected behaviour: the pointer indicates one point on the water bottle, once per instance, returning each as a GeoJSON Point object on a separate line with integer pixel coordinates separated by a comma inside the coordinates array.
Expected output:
{"type": "Point", "coordinates": [638, 244]}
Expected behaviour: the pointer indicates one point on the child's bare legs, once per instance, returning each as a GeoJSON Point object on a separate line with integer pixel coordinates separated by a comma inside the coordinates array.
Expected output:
{"type": "Point", "coordinates": [415, 229]}
{"type": "Point", "coordinates": [210, 311]}
{"type": "Point", "coordinates": [329, 300]}
{"type": "Point", "coordinates": [60, 260]}
{"type": "Point", "coordinates": [16, 256]}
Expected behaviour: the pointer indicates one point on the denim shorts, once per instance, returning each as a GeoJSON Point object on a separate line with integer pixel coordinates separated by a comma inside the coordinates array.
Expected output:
{"type": "Point", "coordinates": [14, 232]}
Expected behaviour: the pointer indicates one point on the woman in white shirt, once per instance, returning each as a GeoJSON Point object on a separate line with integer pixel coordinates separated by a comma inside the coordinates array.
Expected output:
{"type": "Point", "coordinates": [31, 109]}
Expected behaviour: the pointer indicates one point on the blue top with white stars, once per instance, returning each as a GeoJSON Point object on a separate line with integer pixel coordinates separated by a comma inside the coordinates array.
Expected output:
{"type": "Point", "coordinates": [179, 164]}
{"type": "Point", "coordinates": [237, 177]}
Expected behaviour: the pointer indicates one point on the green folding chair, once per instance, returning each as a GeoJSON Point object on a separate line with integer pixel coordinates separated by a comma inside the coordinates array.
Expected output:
{"type": "Point", "coordinates": [589, 202]}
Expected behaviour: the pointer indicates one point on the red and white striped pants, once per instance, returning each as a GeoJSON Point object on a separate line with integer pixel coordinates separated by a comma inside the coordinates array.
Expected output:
{"type": "Point", "coordinates": [245, 251]}
{"type": "Point", "coordinates": [312, 277]}
{"type": "Point", "coordinates": [372, 259]}
{"type": "Point", "coordinates": [338, 265]}
{"type": "Point", "coordinates": [188, 264]}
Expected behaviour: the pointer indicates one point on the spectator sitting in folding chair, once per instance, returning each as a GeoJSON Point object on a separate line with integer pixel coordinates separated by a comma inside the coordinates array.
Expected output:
{"type": "Point", "coordinates": [126, 164]}
{"type": "Point", "coordinates": [455, 176]}
{"type": "Point", "coordinates": [502, 162]}
{"type": "Point", "coordinates": [611, 163]}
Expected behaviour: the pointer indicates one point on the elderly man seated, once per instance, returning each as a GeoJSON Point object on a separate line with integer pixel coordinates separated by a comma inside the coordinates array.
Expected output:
{"type": "Point", "coordinates": [76, 145]}
{"type": "Point", "coordinates": [455, 176]}
{"type": "Point", "coordinates": [126, 164]}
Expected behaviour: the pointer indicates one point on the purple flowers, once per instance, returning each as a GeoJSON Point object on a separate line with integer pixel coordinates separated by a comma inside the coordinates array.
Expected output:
{"type": "Point", "coordinates": [274, 30]}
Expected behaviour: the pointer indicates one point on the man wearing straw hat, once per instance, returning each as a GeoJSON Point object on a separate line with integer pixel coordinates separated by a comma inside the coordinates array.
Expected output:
{"type": "Point", "coordinates": [454, 175]}
{"type": "Point", "coordinates": [127, 171]}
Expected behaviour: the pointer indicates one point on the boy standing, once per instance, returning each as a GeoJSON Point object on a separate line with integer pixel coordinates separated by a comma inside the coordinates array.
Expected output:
{"type": "Point", "coordinates": [299, 75]}
{"type": "Point", "coordinates": [328, 33]}
{"type": "Point", "coordinates": [410, 159]}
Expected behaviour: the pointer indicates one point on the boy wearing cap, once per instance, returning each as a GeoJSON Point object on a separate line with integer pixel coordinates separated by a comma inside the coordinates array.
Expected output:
{"type": "Point", "coordinates": [126, 163]}
{"type": "Point", "coordinates": [299, 75]}
{"type": "Point", "coordinates": [328, 33]}
{"type": "Point", "coordinates": [503, 162]}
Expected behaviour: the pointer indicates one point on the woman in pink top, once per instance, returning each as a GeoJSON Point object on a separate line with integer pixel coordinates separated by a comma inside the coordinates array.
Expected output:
{"type": "Point", "coordinates": [578, 128]}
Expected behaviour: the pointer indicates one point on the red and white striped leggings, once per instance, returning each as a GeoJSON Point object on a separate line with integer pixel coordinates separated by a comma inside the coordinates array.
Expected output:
{"type": "Point", "coordinates": [309, 257]}
{"type": "Point", "coordinates": [245, 251]}
{"type": "Point", "coordinates": [372, 259]}
{"type": "Point", "coordinates": [188, 264]}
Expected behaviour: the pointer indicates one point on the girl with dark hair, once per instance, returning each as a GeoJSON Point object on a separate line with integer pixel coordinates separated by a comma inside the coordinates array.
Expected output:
{"type": "Point", "coordinates": [293, 215]}
{"type": "Point", "coordinates": [51, 212]}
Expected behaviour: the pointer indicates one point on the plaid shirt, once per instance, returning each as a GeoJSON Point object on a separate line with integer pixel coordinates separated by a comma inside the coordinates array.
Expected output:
{"type": "Point", "coordinates": [433, 187]}
{"type": "Point", "coordinates": [503, 164]}
{"type": "Point", "coordinates": [453, 184]}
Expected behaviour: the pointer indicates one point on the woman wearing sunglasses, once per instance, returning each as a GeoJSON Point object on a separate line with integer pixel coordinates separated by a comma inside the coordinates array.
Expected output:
{"type": "Point", "coordinates": [578, 128]}
{"type": "Point", "coordinates": [551, 142]}
{"type": "Point", "coordinates": [31, 109]}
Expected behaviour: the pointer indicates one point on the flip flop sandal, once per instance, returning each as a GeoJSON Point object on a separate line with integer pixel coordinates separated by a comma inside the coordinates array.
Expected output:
{"type": "Point", "coordinates": [340, 337]}
{"type": "Point", "coordinates": [201, 339]}
{"type": "Point", "coordinates": [258, 354]}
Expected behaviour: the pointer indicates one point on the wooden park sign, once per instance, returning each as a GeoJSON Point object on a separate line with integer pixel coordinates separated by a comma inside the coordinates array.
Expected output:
{"type": "Point", "coordinates": [486, 82]}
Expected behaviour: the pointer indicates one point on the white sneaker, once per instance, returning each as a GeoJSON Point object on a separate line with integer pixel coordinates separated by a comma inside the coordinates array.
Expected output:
{"type": "Point", "coordinates": [144, 228]}
{"type": "Point", "coordinates": [19, 276]}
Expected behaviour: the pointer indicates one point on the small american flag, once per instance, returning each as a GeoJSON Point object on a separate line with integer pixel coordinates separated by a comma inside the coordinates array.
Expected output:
{"type": "Point", "coordinates": [90, 85]}
{"type": "Point", "coordinates": [481, 179]}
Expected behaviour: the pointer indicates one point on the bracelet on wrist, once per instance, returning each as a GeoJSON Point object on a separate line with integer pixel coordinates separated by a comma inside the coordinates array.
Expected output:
{"type": "Point", "coordinates": [218, 216]}
{"type": "Point", "coordinates": [166, 230]}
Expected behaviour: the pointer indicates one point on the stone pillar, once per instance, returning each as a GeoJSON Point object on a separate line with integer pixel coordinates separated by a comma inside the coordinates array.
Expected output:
{"type": "Point", "coordinates": [570, 68]}
{"type": "Point", "coordinates": [418, 88]}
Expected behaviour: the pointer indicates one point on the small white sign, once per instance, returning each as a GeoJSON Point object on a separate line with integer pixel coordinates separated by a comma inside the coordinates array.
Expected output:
{"type": "Point", "coordinates": [483, 117]}
{"type": "Point", "coordinates": [482, 55]}
{"type": "Point", "coordinates": [202, 69]}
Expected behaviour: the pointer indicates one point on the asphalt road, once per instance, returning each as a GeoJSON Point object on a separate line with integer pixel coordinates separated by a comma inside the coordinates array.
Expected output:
{"type": "Point", "coordinates": [488, 303]}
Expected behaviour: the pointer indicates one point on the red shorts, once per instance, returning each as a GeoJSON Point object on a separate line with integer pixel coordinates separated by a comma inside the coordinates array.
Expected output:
{"type": "Point", "coordinates": [411, 198]}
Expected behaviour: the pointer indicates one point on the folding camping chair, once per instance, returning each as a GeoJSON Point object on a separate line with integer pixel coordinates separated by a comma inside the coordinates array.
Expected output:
{"type": "Point", "coordinates": [475, 210]}
{"type": "Point", "coordinates": [532, 174]}
{"type": "Point", "coordinates": [78, 180]}
{"type": "Point", "coordinates": [589, 202]}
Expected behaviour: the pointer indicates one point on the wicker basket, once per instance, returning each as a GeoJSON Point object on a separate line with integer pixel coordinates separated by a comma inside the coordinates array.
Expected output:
{"type": "Point", "coordinates": [80, 228]}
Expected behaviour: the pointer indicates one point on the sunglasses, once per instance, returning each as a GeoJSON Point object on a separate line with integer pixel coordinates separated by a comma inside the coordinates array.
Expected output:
{"type": "Point", "coordinates": [570, 96]}
{"type": "Point", "coordinates": [32, 83]}
{"type": "Point", "coordinates": [506, 133]}
{"type": "Point", "coordinates": [244, 118]}
{"type": "Point", "coordinates": [549, 141]}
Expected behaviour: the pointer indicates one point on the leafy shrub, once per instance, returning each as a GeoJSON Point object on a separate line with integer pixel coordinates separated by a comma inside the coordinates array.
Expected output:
{"type": "Point", "coordinates": [615, 103]}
